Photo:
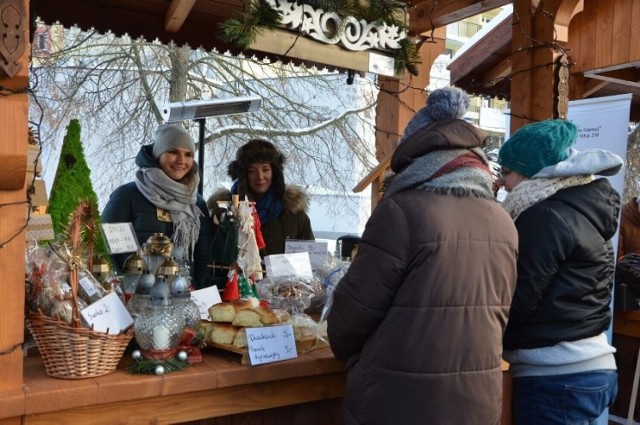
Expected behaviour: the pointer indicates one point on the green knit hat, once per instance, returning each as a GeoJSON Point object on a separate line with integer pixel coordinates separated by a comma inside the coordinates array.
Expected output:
{"type": "Point", "coordinates": [539, 145]}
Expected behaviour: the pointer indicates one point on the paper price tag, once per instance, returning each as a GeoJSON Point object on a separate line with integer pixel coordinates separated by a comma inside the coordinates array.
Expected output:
{"type": "Point", "coordinates": [120, 237]}
{"type": "Point", "coordinates": [205, 298]}
{"type": "Point", "coordinates": [108, 313]}
{"type": "Point", "coordinates": [318, 251]}
{"type": "Point", "coordinates": [296, 264]}
{"type": "Point", "coordinates": [270, 344]}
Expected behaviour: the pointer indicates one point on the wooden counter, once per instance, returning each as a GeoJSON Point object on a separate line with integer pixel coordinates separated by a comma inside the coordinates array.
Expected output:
{"type": "Point", "coordinates": [216, 388]}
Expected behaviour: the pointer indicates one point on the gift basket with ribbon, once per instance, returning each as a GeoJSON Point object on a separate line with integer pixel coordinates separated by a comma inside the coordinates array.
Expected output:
{"type": "Point", "coordinates": [69, 348]}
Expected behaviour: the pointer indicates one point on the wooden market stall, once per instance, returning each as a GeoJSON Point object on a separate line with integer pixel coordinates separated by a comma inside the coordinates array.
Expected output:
{"type": "Point", "coordinates": [220, 386]}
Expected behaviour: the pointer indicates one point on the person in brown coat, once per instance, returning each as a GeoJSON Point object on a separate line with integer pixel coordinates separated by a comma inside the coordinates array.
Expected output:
{"type": "Point", "coordinates": [420, 314]}
{"type": "Point", "coordinates": [629, 236]}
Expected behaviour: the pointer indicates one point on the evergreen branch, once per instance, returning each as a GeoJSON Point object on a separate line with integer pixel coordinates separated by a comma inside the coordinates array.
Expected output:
{"type": "Point", "coordinates": [148, 366]}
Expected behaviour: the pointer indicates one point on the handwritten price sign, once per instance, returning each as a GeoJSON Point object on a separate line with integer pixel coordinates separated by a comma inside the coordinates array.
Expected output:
{"type": "Point", "coordinates": [120, 237]}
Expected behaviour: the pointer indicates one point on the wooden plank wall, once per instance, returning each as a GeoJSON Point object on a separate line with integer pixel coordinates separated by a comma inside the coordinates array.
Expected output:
{"type": "Point", "coordinates": [400, 99]}
{"type": "Point", "coordinates": [532, 89]}
{"type": "Point", "coordinates": [593, 41]}
{"type": "Point", "coordinates": [13, 157]}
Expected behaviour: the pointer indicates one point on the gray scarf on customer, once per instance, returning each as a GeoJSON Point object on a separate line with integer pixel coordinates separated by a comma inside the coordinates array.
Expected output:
{"type": "Point", "coordinates": [463, 181]}
{"type": "Point", "coordinates": [175, 197]}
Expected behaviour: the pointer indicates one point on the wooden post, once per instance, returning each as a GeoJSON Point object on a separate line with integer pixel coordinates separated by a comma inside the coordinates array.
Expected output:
{"type": "Point", "coordinates": [13, 156]}
{"type": "Point", "coordinates": [533, 88]}
{"type": "Point", "coordinates": [399, 99]}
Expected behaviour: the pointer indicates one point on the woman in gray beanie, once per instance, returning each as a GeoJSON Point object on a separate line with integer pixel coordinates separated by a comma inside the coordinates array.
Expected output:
{"type": "Point", "coordinates": [563, 366]}
{"type": "Point", "coordinates": [163, 198]}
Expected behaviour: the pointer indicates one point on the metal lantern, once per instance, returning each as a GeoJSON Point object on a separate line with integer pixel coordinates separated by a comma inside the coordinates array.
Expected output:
{"type": "Point", "coordinates": [156, 249]}
{"type": "Point", "coordinates": [159, 326]}
{"type": "Point", "coordinates": [183, 302]}
{"type": "Point", "coordinates": [169, 269]}
{"type": "Point", "coordinates": [101, 270]}
{"type": "Point", "coordinates": [134, 267]}
{"type": "Point", "coordinates": [140, 299]}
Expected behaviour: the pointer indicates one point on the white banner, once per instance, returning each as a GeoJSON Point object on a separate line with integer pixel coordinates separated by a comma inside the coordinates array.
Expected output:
{"type": "Point", "coordinates": [603, 123]}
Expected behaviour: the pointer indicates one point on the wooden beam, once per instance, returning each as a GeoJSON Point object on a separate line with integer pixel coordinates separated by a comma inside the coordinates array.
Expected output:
{"type": "Point", "coordinates": [177, 14]}
{"type": "Point", "coordinates": [431, 14]}
{"type": "Point", "coordinates": [289, 45]}
{"type": "Point", "coordinates": [566, 11]}
{"type": "Point", "coordinates": [496, 39]}
{"type": "Point", "coordinates": [591, 86]}
{"type": "Point", "coordinates": [628, 77]}
{"type": "Point", "coordinates": [497, 73]}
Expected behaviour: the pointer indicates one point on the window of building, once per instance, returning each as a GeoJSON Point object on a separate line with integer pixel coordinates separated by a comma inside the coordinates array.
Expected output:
{"type": "Point", "coordinates": [41, 41]}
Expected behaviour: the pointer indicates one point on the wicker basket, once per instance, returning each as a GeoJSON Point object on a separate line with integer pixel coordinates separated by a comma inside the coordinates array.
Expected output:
{"type": "Point", "coordinates": [71, 351]}
{"type": "Point", "coordinates": [76, 353]}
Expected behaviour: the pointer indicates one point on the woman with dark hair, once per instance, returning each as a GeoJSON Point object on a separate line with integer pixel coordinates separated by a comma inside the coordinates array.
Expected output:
{"type": "Point", "coordinates": [257, 173]}
{"type": "Point", "coordinates": [163, 198]}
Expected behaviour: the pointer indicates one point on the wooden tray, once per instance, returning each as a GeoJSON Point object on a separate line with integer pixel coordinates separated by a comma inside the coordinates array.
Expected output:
{"type": "Point", "coordinates": [242, 351]}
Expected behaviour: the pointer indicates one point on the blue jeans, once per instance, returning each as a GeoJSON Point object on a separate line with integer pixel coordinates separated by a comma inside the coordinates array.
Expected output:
{"type": "Point", "coordinates": [574, 399]}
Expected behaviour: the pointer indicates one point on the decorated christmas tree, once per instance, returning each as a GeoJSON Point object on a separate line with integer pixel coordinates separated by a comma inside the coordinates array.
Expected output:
{"type": "Point", "coordinates": [72, 184]}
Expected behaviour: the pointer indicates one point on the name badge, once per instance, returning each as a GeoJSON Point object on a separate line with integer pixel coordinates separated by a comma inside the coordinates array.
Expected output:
{"type": "Point", "coordinates": [163, 215]}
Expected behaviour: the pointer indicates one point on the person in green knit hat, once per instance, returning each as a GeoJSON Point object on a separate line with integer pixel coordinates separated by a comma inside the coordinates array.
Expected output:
{"type": "Point", "coordinates": [562, 364]}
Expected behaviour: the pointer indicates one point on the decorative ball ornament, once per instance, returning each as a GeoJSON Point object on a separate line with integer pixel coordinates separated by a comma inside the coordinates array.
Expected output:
{"type": "Point", "coordinates": [182, 355]}
{"type": "Point", "coordinates": [159, 370]}
{"type": "Point", "coordinates": [137, 354]}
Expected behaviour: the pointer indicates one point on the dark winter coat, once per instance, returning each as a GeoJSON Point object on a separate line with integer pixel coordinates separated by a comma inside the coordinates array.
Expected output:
{"type": "Point", "coordinates": [565, 272]}
{"type": "Point", "coordinates": [293, 222]}
{"type": "Point", "coordinates": [127, 205]}
{"type": "Point", "coordinates": [420, 314]}
{"type": "Point", "coordinates": [629, 237]}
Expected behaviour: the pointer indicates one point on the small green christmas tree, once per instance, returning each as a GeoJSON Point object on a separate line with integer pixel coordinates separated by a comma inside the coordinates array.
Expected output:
{"type": "Point", "coordinates": [72, 184]}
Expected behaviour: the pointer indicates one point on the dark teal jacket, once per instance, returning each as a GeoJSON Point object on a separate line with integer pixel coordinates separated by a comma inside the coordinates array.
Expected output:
{"type": "Point", "coordinates": [127, 205]}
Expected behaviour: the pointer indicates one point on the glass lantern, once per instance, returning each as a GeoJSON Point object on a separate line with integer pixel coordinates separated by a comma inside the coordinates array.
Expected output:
{"type": "Point", "coordinates": [134, 267]}
{"type": "Point", "coordinates": [140, 299]}
{"type": "Point", "coordinates": [159, 326]}
{"type": "Point", "coordinates": [183, 302]}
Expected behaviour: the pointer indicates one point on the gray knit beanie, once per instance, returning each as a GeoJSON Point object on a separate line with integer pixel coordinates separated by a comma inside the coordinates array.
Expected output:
{"type": "Point", "coordinates": [170, 137]}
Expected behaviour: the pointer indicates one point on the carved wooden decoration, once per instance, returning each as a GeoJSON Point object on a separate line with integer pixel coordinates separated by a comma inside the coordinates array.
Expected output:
{"type": "Point", "coordinates": [562, 87]}
{"type": "Point", "coordinates": [13, 36]}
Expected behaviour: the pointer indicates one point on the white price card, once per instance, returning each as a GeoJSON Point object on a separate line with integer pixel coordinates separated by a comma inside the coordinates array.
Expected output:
{"type": "Point", "coordinates": [295, 264]}
{"type": "Point", "coordinates": [205, 298]}
{"type": "Point", "coordinates": [318, 251]}
{"type": "Point", "coordinates": [108, 314]}
{"type": "Point", "coordinates": [120, 237]}
{"type": "Point", "coordinates": [270, 344]}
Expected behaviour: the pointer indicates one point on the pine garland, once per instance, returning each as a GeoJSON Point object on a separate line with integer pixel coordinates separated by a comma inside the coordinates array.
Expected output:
{"type": "Point", "coordinates": [148, 366]}
{"type": "Point", "coordinates": [243, 30]}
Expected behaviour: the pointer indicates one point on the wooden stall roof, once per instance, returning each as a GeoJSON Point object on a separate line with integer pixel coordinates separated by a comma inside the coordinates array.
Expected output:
{"type": "Point", "coordinates": [484, 70]}
{"type": "Point", "coordinates": [196, 23]}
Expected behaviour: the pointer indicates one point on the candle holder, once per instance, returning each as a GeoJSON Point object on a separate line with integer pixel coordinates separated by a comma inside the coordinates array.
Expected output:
{"type": "Point", "coordinates": [140, 299]}
{"type": "Point", "coordinates": [159, 326]}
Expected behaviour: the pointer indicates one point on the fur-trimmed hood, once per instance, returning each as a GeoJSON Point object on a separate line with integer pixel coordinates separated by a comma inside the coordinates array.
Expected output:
{"type": "Point", "coordinates": [295, 199]}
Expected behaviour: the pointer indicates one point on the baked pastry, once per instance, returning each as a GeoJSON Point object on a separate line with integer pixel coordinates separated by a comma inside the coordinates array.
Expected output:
{"type": "Point", "coordinates": [222, 312]}
{"type": "Point", "coordinates": [205, 329]}
{"type": "Point", "coordinates": [223, 333]}
{"type": "Point", "coordinates": [240, 340]}
{"type": "Point", "coordinates": [247, 317]}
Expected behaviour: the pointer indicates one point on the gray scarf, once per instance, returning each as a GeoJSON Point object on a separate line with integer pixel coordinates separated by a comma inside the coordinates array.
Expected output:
{"type": "Point", "coordinates": [168, 194]}
{"type": "Point", "coordinates": [463, 181]}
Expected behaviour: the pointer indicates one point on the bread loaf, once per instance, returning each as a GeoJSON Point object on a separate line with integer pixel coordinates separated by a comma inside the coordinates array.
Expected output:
{"type": "Point", "coordinates": [247, 318]}
{"type": "Point", "coordinates": [240, 340]}
{"type": "Point", "coordinates": [223, 333]}
{"type": "Point", "coordinates": [222, 312]}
